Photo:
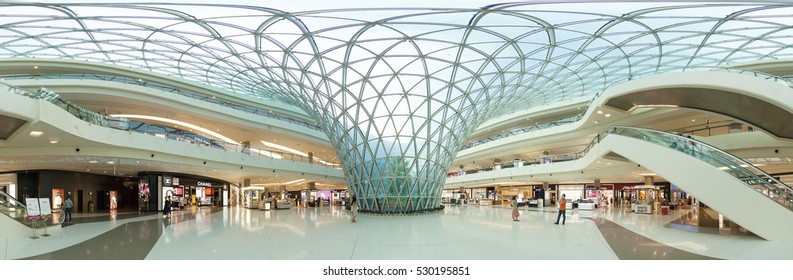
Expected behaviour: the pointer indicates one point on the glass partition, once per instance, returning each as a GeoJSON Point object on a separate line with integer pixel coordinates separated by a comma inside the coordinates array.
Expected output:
{"type": "Point", "coordinates": [13, 209]}
{"type": "Point", "coordinates": [735, 166]}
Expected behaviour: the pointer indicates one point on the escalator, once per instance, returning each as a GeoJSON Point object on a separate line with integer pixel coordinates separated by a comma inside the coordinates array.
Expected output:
{"type": "Point", "coordinates": [726, 183]}
{"type": "Point", "coordinates": [14, 220]}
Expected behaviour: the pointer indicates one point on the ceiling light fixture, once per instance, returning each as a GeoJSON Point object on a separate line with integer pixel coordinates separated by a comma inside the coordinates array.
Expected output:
{"type": "Point", "coordinates": [36, 133]}
{"type": "Point", "coordinates": [600, 112]}
{"type": "Point", "coordinates": [54, 140]}
{"type": "Point", "coordinates": [607, 115]}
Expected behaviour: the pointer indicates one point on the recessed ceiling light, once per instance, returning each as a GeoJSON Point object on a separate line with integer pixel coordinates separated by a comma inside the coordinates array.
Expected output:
{"type": "Point", "coordinates": [600, 112]}
{"type": "Point", "coordinates": [54, 140]}
{"type": "Point", "coordinates": [36, 133]}
{"type": "Point", "coordinates": [111, 162]}
{"type": "Point", "coordinates": [597, 122]}
{"type": "Point", "coordinates": [607, 115]}
{"type": "Point", "coordinates": [35, 67]}
{"type": "Point", "coordinates": [693, 120]}
{"type": "Point", "coordinates": [92, 161]}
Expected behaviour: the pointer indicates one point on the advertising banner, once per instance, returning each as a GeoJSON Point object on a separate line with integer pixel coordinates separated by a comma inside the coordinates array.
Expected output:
{"type": "Point", "coordinates": [33, 207]}
{"type": "Point", "coordinates": [57, 198]}
{"type": "Point", "coordinates": [44, 206]}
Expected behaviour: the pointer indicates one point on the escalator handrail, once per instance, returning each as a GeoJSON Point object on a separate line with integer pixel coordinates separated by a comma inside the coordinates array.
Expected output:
{"type": "Point", "coordinates": [741, 163]}
{"type": "Point", "coordinates": [5, 196]}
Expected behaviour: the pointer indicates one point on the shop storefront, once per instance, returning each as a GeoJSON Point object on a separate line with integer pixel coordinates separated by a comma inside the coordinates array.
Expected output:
{"type": "Point", "coordinates": [182, 190]}
{"type": "Point", "coordinates": [571, 192]}
{"type": "Point", "coordinates": [89, 192]}
{"type": "Point", "coordinates": [603, 196]}
{"type": "Point", "coordinates": [252, 195]}
{"type": "Point", "coordinates": [8, 184]}
{"type": "Point", "coordinates": [522, 194]}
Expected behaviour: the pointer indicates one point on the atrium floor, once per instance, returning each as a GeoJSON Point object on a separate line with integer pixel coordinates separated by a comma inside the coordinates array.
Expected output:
{"type": "Point", "coordinates": [462, 232]}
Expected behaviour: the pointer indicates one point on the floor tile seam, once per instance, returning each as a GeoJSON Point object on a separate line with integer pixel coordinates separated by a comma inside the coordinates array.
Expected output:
{"type": "Point", "coordinates": [421, 245]}
{"type": "Point", "coordinates": [602, 238]}
{"type": "Point", "coordinates": [131, 219]}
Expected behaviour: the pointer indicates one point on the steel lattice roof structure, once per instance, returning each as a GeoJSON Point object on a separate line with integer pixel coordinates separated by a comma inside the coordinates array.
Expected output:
{"type": "Point", "coordinates": [398, 90]}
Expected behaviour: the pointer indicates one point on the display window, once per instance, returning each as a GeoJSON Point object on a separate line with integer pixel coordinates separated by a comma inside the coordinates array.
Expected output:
{"type": "Point", "coordinates": [57, 198]}
{"type": "Point", "coordinates": [113, 200]}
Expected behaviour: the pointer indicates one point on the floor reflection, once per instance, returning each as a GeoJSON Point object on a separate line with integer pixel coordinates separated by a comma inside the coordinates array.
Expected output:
{"type": "Point", "coordinates": [707, 220]}
{"type": "Point", "coordinates": [458, 232]}
{"type": "Point", "coordinates": [129, 241]}
{"type": "Point", "coordinates": [631, 246]}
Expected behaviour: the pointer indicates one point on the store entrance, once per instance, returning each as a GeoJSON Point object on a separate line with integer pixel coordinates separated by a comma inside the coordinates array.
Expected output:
{"type": "Point", "coordinates": [79, 200]}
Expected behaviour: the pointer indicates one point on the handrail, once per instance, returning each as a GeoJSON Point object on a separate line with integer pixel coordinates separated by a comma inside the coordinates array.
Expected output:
{"type": "Point", "coordinates": [554, 123]}
{"type": "Point", "coordinates": [754, 73]}
{"type": "Point", "coordinates": [124, 125]}
{"type": "Point", "coordinates": [731, 164]}
{"type": "Point", "coordinates": [721, 153]}
{"type": "Point", "coordinates": [168, 89]}
{"type": "Point", "coordinates": [569, 120]}
{"type": "Point", "coordinates": [14, 209]}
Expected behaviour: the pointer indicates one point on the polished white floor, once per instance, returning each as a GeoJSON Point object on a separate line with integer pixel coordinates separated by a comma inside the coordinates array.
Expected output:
{"type": "Point", "coordinates": [461, 232]}
{"type": "Point", "coordinates": [717, 246]}
{"type": "Point", "coordinates": [327, 233]}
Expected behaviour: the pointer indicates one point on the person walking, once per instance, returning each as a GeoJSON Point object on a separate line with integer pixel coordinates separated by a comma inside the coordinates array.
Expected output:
{"type": "Point", "coordinates": [67, 208]}
{"type": "Point", "coordinates": [166, 209]}
{"type": "Point", "coordinates": [515, 212]}
{"type": "Point", "coordinates": [354, 208]}
{"type": "Point", "coordinates": [562, 209]}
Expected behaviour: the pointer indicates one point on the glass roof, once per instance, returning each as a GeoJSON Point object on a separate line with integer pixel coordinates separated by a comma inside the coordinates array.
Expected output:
{"type": "Point", "coordinates": [535, 54]}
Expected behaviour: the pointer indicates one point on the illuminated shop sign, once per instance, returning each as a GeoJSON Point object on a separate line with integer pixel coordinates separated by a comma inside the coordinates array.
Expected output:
{"type": "Point", "coordinates": [204, 184]}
